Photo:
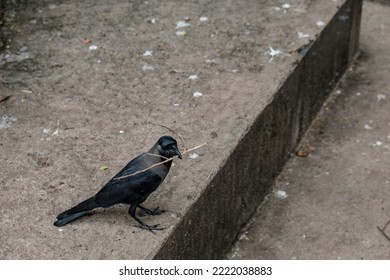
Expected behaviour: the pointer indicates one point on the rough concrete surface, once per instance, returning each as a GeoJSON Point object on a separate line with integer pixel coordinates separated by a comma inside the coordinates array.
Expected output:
{"type": "Point", "coordinates": [246, 177]}
{"type": "Point", "coordinates": [84, 89]}
{"type": "Point", "coordinates": [329, 204]}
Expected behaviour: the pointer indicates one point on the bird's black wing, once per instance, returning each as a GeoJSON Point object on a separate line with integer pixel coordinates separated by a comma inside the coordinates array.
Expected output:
{"type": "Point", "coordinates": [129, 189]}
{"type": "Point", "coordinates": [136, 164]}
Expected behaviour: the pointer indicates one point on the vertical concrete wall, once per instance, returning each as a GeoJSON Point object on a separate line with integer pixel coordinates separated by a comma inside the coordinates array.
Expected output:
{"type": "Point", "coordinates": [211, 224]}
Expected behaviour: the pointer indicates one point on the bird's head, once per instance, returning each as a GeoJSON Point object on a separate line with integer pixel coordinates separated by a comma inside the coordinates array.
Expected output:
{"type": "Point", "coordinates": [167, 147]}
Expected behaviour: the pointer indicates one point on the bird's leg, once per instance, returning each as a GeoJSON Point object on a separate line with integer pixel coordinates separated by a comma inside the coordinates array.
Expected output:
{"type": "Point", "coordinates": [152, 228]}
{"type": "Point", "coordinates": [141, 224]}
{"type": "Point", "coordinates": [153, 212]}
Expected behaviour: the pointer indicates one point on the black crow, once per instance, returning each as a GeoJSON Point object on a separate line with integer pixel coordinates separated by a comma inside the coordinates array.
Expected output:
{"type": "Point", "coordinates": [133, 189]}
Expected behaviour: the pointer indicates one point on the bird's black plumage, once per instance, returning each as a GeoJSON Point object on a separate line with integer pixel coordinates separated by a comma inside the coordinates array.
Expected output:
{"type": "Point", "coordinates": [133, 189]}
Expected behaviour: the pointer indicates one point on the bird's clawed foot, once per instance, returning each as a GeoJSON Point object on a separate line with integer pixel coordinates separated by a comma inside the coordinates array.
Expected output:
{"type": "Point", "coordinates": [154, 212]}
{"type": "Point", "coordinates": [149, 228]}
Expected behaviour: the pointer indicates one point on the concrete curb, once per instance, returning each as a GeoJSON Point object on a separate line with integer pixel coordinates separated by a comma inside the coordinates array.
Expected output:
{"type": "Point", "coordinates": [248, 174]}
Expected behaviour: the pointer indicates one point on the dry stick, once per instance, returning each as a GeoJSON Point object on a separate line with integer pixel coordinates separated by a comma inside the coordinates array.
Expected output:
{"type": "Point", "coordinates": [194, 148]}
{"type": "Point", "coordinates": [382, 230]}
{"type": "Point", "coordinates": [160, 156]}
{"type": "Point", "coordinates": [162, 162]}
{"type": "Point", "coordinates": [5, 98]}
{"type": "Point", "coordinates": [5, 82]}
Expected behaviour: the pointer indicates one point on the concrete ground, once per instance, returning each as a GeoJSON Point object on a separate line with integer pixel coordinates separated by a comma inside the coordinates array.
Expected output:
{"type": "Point", "coordinates": [86, 79]}
{"type": "Point", "coordinates": [329, 204]}
{"type": "Point", "coordinates": [84, 83]}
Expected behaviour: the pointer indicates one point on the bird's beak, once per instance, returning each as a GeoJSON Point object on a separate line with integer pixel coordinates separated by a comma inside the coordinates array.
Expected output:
{"type": "Point", "coordinates": [177, 152]}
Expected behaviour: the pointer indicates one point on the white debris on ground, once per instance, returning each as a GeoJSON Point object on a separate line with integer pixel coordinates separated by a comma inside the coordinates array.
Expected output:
{"type": "Point", "coordinates": [182, 24]}
{"type": "Point", "coordinates": [181, 33]}
{"type": "Point", "coordinates": [92, 47]}
{"type": "Point", "coordinates": [281, 194]}
{"type": "Point", "coordinates": [194, 155]}
{"type": "Point", "coordinates": [286, 7]}
{"type": "Point", "coordinates": [203, 19]}
{"type": "Point", "coordinates": [380, 97]}
{"type": "Point", "coordinates": [57, 130]}
{"type": "Point", "coordinates": [177, 71]}
{"type": "Point", "coordinates": [274, 53]}
{"type": "Point", "coordinates": [148, 53]}
{"type": "Point", "coordinates": [193, 77]}
{"type": "Point", "coordinates": [243, 236]}
{"type": "Point", "coordinates": [320, 23]}
{"type": "Point", "coordinates": [147, 67]}
{"type": "Point", "coordinates": [48, 130]}
{"type": "Point", "coordinates": [197, 94]}
{"type": "Point", "coordinates": [303, 35]}
{"type": "Point", "coordinates": [6, 121]}
{"type": "Point", "coordinates": [368, 125]}
{"type": "Point", "coordinates": [377, 143]}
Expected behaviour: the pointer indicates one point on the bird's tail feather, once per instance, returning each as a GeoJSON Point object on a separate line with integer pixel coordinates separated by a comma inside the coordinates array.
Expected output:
{"type": "Point", "coordinates": [69, 218]}
{"type": "Point", "coordinates": [75, 212]}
